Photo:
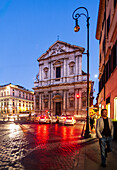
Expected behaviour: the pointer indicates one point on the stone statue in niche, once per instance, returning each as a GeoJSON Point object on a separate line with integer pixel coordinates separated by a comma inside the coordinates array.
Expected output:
{"type": "Point", "coordinates": [71, 99]}
{"type": "Point", "coordinates": [37, 77]}
{"type": "Point", "coordinates": [71, 94]}
{"type": "Point", "coordinates": [46, 72]}
{"type": "Point", "coordinates": [71, 103]}
{"type": "Point", "coordinates": [71, 65]}
{"type": "Point", "coordinates": [84, 95]}
{"type": "Point", "coordinates": [71, 69]}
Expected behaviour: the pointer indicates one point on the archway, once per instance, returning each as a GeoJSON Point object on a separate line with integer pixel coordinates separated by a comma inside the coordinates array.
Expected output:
{"type": "Point", "coordinates": [57, 104]}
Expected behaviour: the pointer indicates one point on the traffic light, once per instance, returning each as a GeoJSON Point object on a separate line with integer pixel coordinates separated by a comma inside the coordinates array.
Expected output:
{"type": "Point", "coordinates": [78, 96]}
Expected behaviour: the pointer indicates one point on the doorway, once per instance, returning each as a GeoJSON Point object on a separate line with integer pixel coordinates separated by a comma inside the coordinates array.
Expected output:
{"type": "Point", "coordinates": [58, 108]}
{"type": "Point", "coordinates": [115, 108]}
{"type": "Point", "coordinates": [108, 109]}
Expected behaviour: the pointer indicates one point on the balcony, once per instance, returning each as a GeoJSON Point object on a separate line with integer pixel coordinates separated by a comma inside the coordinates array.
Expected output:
{"type": "Point", "coordinates": [70, 79]}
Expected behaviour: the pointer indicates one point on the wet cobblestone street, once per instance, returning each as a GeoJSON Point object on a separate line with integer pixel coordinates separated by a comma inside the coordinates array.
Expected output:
{"type": "Point", "coordinates": [39, 146]}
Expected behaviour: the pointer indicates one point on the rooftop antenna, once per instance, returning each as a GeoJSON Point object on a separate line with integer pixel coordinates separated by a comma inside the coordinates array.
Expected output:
{"type": "Point", "coordinates": [57, 37]}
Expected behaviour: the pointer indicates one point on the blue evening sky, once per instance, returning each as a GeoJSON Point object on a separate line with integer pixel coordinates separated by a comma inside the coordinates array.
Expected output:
{"type": "Point", "coordinates": [29, 27]}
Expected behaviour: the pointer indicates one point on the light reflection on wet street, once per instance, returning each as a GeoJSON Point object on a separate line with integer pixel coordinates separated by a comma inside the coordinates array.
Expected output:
{"type": "Point", "coordinates": [39, 146]}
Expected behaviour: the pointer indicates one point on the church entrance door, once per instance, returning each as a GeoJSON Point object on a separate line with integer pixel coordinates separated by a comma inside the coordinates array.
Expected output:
{"type": "Point", "coordinates": [58, 108]}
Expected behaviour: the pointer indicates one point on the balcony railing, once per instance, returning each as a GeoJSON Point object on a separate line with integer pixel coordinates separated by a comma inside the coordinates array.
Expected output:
{"type": "Point", "coordinates": [71, 79]}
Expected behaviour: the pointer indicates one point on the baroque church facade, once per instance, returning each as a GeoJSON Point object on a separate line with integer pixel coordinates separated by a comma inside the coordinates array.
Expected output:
{"type": "Point", "coordinates": [61, 85]}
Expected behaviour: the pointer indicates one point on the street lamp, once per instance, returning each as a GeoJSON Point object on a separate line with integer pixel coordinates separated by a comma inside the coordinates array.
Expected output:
{"type": "Point", "coordinates": [76, 16]}
{"type": "Point", "coordinates": [78, 96]}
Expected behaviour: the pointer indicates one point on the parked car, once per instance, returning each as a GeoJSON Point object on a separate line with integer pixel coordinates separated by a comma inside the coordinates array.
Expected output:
{"type": "Point", "coordinates": [69, 120]}
{"type": "Point", "coordinates": [12, 117]}
{"type": "Point", "coordinates": [45, 119]}
{"type": "Point", "coordinates": [62, 118]}
{"type": "Point", "coordinates": [23, 116]}
{"type": "Point", "coordinates": [53, 119]}
{"type": "Point", "coordinates": [35, 118]}
{"type": "Point", "coordinates": [80, 117]}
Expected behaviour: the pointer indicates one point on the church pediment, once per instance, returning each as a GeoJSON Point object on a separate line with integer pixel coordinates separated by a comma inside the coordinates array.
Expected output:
{"type": "Point", "coordinates": [60, 47]}
{"type": "Point", "coordinates": [57, 49]}
{"type": "Point", "coordinates": [57, 62]}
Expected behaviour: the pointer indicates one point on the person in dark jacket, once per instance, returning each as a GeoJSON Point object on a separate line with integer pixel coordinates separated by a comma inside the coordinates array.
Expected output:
{"type": "Point", "coordinates": [104, 131]}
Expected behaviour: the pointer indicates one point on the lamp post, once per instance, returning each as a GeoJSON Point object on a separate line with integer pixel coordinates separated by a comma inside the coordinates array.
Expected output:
{"type": "Point", "coordinates": [78, 96]}
{"type": "Point", "coordinates": [76, 15]}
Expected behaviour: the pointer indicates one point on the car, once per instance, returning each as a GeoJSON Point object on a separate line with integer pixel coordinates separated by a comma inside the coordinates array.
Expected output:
{"type": "Point", "coordinates": [69, 120]}
{"type": "Point", "coordinates": [12, 117]}
{"type": "Point", "coordinates": [53, 119]}
{"type": "Point", "coordinates": [35, 118]}
{"type": "Point", "coordinates": [62, 118]}
{"type": "Point", "coordinates": [23, 116]}
{"type": "Point", "coordinates": [81, 118]}
{"type": "Point", "coordinates": [44, 119]}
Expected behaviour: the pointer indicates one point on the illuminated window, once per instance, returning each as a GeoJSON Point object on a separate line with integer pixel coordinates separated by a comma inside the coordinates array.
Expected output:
{"type": "Point", "coordinates": [7, 92]}
{"type": "Point", "coordinates": [13, 103]}
{"type": "Point", "coordinates": [19, 103]}
{"type": "Point", "coordinates": [37, 102]}
{"type": "Point", "coordinates": [2, 94]}
{"type": "Point", "coordinates": [26, 96]}
{"type": "Point", "coordinates": [26, 104]}
{"type": "Point", "coordinates": [5, 103]}
{"type": "Point", "coordinates": [13, 92]}
{"type": "Point", "coordinates": [19, 93]}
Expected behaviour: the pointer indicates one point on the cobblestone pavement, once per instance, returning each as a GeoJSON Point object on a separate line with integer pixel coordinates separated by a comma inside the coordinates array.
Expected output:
{"type": "Point", "coordinates": [39, 146]}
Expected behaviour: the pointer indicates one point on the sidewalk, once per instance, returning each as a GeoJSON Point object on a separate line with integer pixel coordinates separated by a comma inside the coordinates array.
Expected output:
{"type": "Point", "coordinates": [89, 157]}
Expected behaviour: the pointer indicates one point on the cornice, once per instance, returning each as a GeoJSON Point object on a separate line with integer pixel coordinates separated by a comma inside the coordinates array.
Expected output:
{"type": "Point", "coordinates": [100, 18]}
{"type": "Point", "coordinates": [63, 84]}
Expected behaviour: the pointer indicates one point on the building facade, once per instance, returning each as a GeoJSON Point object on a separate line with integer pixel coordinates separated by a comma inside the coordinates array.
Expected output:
{"type": "Point", "coordinates": [15, 99]}
{"type": "Point", "coordinates": [106, 33]}
{"type": "Point", "coordinates": [61, 85]}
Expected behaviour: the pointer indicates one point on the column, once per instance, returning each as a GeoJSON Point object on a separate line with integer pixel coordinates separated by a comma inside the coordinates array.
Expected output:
{"type": "Point", "coordinates": [65, 70]}
{"type": "Point", "coordinates": [49, 73]}
{"type": "Point", "coordinates": [80, 64]}
{"type": "Point", "coordinates": [80, 100]}
{"type": "Point", "coordinates": [52, 111]}
{"type": "Point", "coordinates": [77, 66]}
{"type": "Point", "coordinates": [64, 100]}
{"type": "Point", "coordinates": [39, 72]}
{"type": "Point", "coordinates": [40, 102]}
{"type": "Point", "coordinates": [76, 70]}
{"type": "Point", "coordinates": [66, 106]}
{"type": "Point", "coordinates": [76, 104]}
{"type": "Point", "coordinates": [52, 70]}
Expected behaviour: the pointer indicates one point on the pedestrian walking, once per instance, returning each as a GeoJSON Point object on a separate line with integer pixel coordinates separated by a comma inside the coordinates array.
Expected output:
{"type": "Point", "coordinates": [92, 121]}
{"type": "Point", "coordinates": [104, 131]}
